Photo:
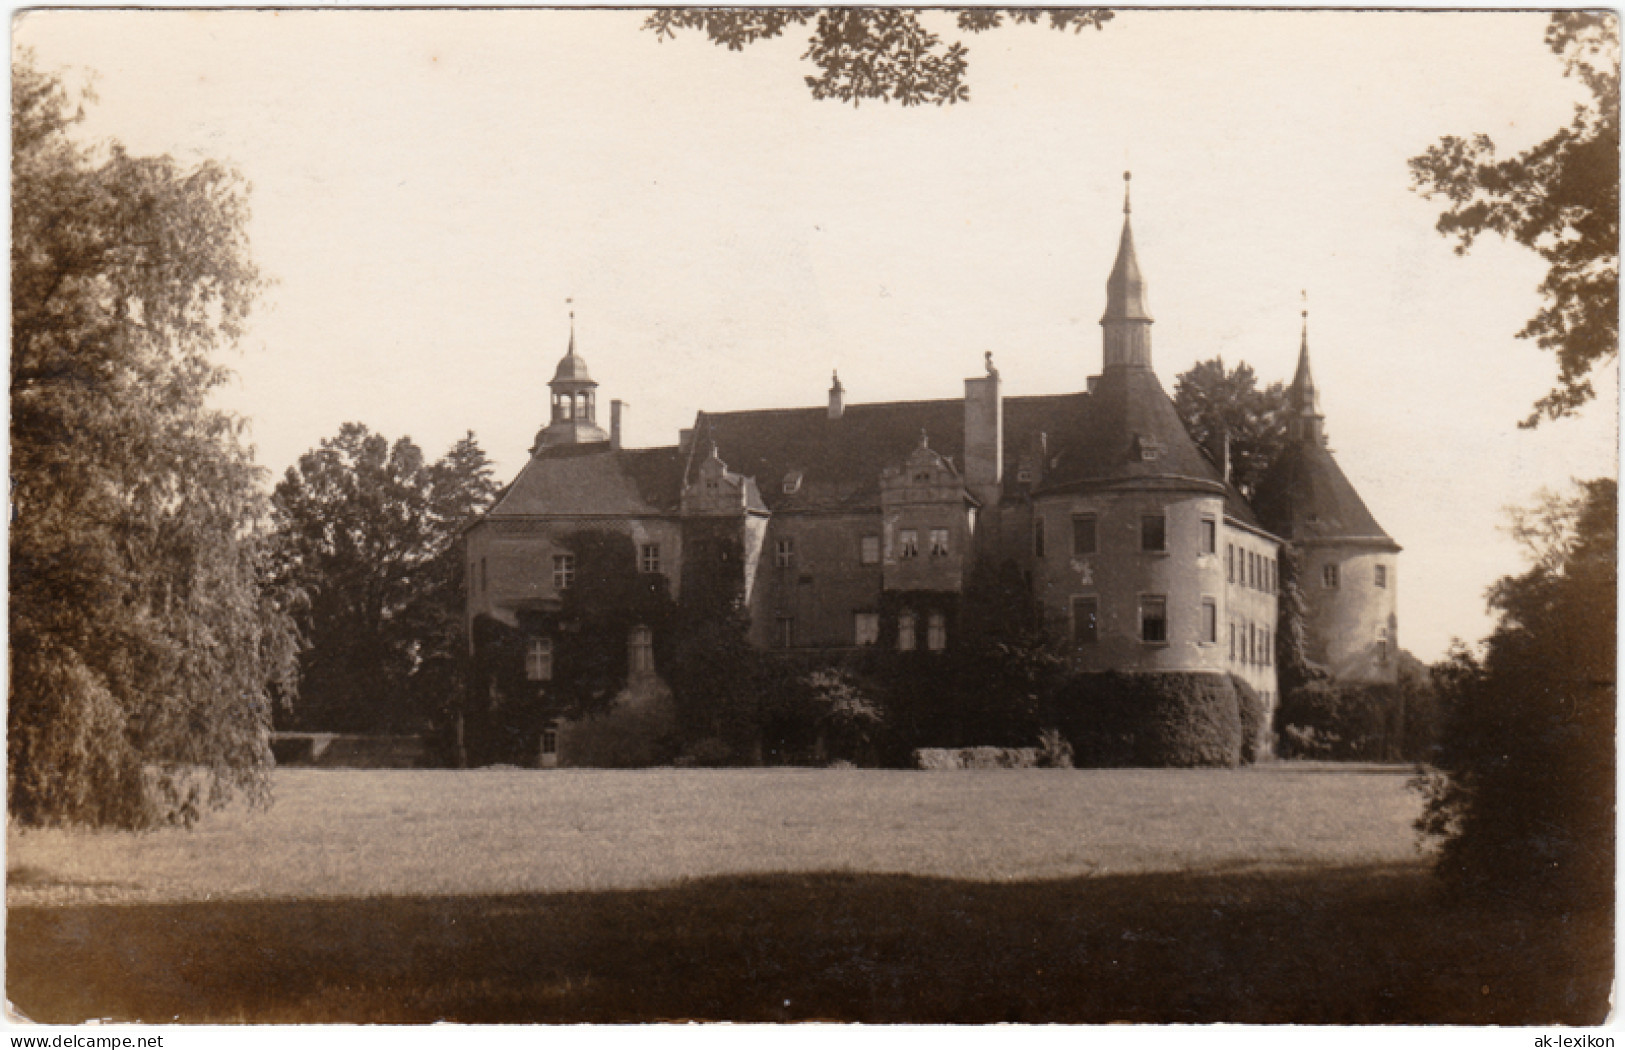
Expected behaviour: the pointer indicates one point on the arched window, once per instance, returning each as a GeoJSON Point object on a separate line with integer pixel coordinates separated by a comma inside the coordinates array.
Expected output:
{"type": "Point", "coordinates": [640, 651]}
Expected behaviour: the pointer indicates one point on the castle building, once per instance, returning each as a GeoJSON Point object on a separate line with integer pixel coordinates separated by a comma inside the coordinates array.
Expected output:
{"type": "Point", "coordinates": [860, 524]}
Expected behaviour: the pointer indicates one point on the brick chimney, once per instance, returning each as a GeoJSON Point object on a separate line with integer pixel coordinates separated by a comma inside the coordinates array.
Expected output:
{"type": "Point", "coordinates": [984, 436]}
{"type": "Point", "coordinates": [617, 412]}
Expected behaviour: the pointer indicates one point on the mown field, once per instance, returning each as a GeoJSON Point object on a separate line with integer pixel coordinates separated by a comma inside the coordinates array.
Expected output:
{"type": "Point", "coordinates": [1283, 893]}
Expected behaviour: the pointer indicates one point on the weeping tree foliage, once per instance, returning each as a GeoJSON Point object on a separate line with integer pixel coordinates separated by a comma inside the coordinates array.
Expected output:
{"type": "Point", "coordinates": [146, 646]}
{"type": "Point", "coordinates": [1559, 199]}
{"type": "Point", "coordinates": [875, 53]}
{"type": "Point", "coordinates": [1217, 405]}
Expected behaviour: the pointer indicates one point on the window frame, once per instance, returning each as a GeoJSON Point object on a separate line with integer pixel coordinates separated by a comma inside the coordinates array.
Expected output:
{"type": "Point", "coordinates": [1209, 541]}
{"type": "Point", "coordinates": [1091, 520]}
{"type": "Point", "coordinates": [784, 552]}
{"type": "Point", "coordinates": [1085, 619]}
{"type": "Point", "coordinates": [862, 619]}
{"type": "Point", "coordinates": [936, 631]}
{"type": "Point", "coordinates": [1038, 536]}
{"type": "Point", "coordinates": [1161, 533]}
{"type": "Point", "coordinates": [640, 650]}
{"type": "Point", "coordinates": [940, 550]}
{"type": "Point", "coordinates": [1210, 621]}
{"type": "Point", "coordinates": [1330, 578]}
{"type": "Point", "coordinates": [869, 550]}
{"type": "Point", "coordinates": [1380, 576]}
{"type": "Point", "coordinates": [907, 632]}
{"type": "Point", "coordinates": [649, 558]}
{"type": "Point", "coordinates": [564, 572]}
{"type": "Point", "coordinates": [1147, 603]}
{"type": "Point", "coordinates": [539, 659]}
{"type": "Point", "coordinates": [908, 543]}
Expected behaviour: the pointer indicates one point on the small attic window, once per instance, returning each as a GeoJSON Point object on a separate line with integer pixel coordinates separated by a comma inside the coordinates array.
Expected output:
{"type": "Point", "coordinates": [792, 482]}
{"type": "Point", "coordinates": [922, 477]}
{"type": "Point", "coordinates": [1024, 474]}
{"type": "Point", "coordinates": [1150, 448]}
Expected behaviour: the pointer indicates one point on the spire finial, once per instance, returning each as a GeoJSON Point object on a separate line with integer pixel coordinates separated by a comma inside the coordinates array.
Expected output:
{"type": "Point", "coordinates": [570, 301]}
{"type": "Point", "coordinates": [1305, 341]}
{"type": "Point", "coordinates": [1127, 175]}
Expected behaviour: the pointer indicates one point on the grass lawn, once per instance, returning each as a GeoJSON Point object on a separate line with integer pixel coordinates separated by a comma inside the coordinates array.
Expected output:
{"type": "Point", "coordinates": [1277, 894]}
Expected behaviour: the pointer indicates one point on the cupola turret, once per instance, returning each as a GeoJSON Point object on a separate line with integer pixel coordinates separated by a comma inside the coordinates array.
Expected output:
{"type": "Point", "coordinates": [1127, 321]}
{"type": "Point", "coordinates": [574, 416]}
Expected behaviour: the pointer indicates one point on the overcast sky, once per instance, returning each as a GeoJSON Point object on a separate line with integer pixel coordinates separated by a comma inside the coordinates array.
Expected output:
{"type": "Point", "coordinates": [429, 187]}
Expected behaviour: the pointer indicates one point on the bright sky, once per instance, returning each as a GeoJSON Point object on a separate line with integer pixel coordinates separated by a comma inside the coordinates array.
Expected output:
{"type": "Point", "coordinates": [429, 187]}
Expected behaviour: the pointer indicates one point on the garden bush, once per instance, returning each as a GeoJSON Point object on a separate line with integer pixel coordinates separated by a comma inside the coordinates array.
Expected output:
{"type": "Point", "coordinates": [1255, 721]}
{"type": "Point", "coordinates": [1152, 719]}
{"type": "Point", "coordinates": [947, 758]}
{"type": "Point", "coordinates": [1339, 721]}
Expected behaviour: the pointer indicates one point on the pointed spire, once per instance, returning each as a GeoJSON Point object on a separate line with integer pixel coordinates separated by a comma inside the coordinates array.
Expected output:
{"type": "Point", "coordinates": [1127, 319]}
{"type": "Point", "coordinates": [1305, 399]}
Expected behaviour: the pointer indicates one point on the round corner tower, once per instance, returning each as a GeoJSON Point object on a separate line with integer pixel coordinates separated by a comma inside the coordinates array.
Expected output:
{"type": "Point", "coordinates": [1348, 565]}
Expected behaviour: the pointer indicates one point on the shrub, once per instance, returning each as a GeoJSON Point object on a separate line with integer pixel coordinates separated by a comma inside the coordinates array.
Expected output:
{"type": "Point", "coordinates": [1342, 721]}
{"type": "Point", "coordinates": [1053, 750]}
{"type": "Point", "coordinates": [1152, 719]}
{"type": "Point", "coordinates": [939, 759]}
{"type": "Point", "coordinates": [707, 752]}
{"type": "Point", "coordinates": [1255, 723]}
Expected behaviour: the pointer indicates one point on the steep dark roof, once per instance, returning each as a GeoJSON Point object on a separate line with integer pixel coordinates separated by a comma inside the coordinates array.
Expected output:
{"type": "Point", "coordinates": [1306, 497]}
{"type": "Point", "coordinates": [840, 460]}
{"type": "Point", "coordinates": [595, 480]}
{"type": "Point", "coordinates": [1127, 412]}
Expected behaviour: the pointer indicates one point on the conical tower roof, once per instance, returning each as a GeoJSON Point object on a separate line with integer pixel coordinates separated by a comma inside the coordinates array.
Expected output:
{"type": "Point", "coordinates": [1306, 497]}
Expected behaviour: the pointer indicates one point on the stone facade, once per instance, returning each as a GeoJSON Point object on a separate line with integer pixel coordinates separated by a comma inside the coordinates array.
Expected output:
{"type": "Point", "coordinates": [860, 524]}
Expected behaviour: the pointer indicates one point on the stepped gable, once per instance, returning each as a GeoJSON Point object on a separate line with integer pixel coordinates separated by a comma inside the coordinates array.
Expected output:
{"type": "Point", "coordinates": [840, 460]}
{"type": "Point", "coordinates": [594, 481]}
{"type": "Point", "coordinates": [1306, 497]}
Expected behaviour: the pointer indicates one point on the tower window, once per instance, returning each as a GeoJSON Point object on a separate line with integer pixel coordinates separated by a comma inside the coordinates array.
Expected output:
{"type": "Point", "coordinates": [640, 651]}
{"type": "Point", "coordinates": [905, 632]}
{"type": "Point", "coordinates": [910, 541]}
{"type": "Point", "coordinates": [649, 557]}
{"type": "Point", "coordinates": [1153, 618]}
{"type": "Point", "coordinates": [1328, 576]}
{"type": "Point", "coordinates": [1210, 536]}
{"type": "Point", "coordinates": [1210, 622]}
{"type": "Point", "coordinates": [1230, 562]}
{"type": "Point", "coordinates": [1382, 576]}
{"type": "Point", "coordinates": [939, 543]}
{"type": "Point", "coordinates": [1153, 532]}
{"type": "Point", "coordinates": [1038, 537]}
{"type": "Point", "coordinates": [539, 660]}
{"type": "Point", "coordinates": [1084, 536]}
{"type": "Point", "coordinates": [936, 632]}
{"type": "Point", "coordinates": [865, 628]}
{"type": "Point", "coordinates": [784, 553]}
{"type": "Point", "coordinates": [564, 571]}
{"type": "Point", "coordinates": [869, 550]}
{"type": "Point", "coordinates": [1085, 621]}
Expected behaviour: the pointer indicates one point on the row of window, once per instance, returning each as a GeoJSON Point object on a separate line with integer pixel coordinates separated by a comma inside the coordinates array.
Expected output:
{"type": "Point", "coordinates": [866, 631]}
{"type": "Point", "coordinates": [640, 655]}
{"type": "Point", "coordinates": [1249, 568]}
{"type": "Point", "coordinates": [1153, 535]}
{"type": "Point", "coordinates": [1256, 642]}
{"type": "Point", "coordinates": [1331, 578]}
{"type": "Point", "coordinates": [908, 546]}
{"type": "Point", "coordinates": [1251, 644]}
{"type": "Point", "coordinates": [564, 567]}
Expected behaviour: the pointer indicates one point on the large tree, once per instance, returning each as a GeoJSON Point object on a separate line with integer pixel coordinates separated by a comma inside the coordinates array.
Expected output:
{"type": "Point", "coordinates": [1524, 800]}
{"type": "Point", "coordinates": [877, 53]}
{"type": "Point", "coordinates": [145, 646]}
{"type": "Point", "coordinates": [1221, 407]}
{"type": "Point", "coordinates": [1560, 199]}
{"type": "Point", "coordinates": [371, 534]}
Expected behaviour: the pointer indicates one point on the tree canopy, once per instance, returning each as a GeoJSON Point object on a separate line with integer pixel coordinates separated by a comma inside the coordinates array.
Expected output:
{"type": "Point", "coordinates": [370, 533]}
{"type": "Point", "coordinates": [1525, 800]}
{"type": "Point", "coordinates": [1217, 405]}
{"type": "Point", "coordinates": [145, 644]}
{"type": "Point", "coordinates": [882, 53]}
{"type": "Point", "coordinates": [1560, 199]}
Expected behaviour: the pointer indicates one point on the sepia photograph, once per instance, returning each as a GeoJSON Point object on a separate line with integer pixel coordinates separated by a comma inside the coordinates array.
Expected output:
{"type": "Point", "coordinates": [898, 516]}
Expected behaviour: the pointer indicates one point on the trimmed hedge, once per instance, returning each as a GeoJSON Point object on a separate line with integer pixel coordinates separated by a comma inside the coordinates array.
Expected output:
{"type": "Point", "coordinates": [1340, 721]}
{"type": "Point", "coordinates": [1180, 719]}
{"type": "Point", "coordinates": [946, 758]}
{"type": "Point", "coordinates": [1255, 722]}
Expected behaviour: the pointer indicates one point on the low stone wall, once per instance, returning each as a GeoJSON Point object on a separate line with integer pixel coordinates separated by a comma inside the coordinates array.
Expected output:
{"type": "Point", "coordinates": [346, 751]}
